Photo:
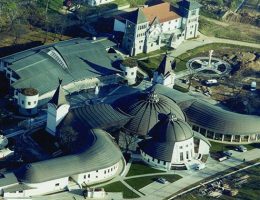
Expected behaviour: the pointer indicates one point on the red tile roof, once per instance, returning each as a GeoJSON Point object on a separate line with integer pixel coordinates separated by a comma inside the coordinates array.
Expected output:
{"type": "Point", "coordinates": [162, 11]}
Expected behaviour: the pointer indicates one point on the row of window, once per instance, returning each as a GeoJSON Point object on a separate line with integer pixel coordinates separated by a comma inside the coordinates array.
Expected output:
{"type": "Point", "coordinates": [140, 34]}
{"type": "Point", "coordinates": [142, 27]}
{"type": "Point", "coordinates": [105, 171]}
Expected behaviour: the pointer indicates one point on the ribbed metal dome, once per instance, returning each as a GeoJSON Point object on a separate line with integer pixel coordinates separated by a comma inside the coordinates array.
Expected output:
{"type": "Point", "coordinates": [145, 109]}
{"type": "Point", "coordinates": [170, 129]}
{"type": "Point", "coordinates": [165, 134]}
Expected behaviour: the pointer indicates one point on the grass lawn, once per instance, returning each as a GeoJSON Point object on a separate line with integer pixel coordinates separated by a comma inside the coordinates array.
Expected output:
{"type": "Point", "coordinates": [215, 147]}
{"type": "Point", "coordinates": [138, 183]}
{"type": "Point", "coordinates": [120, 187]}
{"type": "Point", "coordinates": [139, 168]}
{"type": "Point", "coordinates": [232, 32]}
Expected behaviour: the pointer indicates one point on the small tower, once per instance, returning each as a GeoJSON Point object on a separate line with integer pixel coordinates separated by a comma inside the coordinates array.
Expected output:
{"type": "Point", "coordinates": [28, 101]}
{"type": "Point", "coordinates": [165, 72]}
{"type": "Point", "coordinates": [58, 107]}
{"type": "Point", "coordinates": [130, 66]}
{"type": "Point", "coordinates": [190, 9]}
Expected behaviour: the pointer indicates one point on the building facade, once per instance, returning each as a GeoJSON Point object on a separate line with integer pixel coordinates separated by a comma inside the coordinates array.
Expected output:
{"type": "Point", "coordinates": [150, 28]}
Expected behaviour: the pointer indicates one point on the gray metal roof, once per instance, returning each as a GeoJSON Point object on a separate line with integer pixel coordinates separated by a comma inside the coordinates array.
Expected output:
{"type": "Point", "coordinates": [170, 130]}
{"type": "Point", "coordinates": [145, 108]}
{"type": "Point", "coordinates": [100, 152]}
{"type": "Point", "coordinates": [222, 121]}
{"type": "Point", "coordinates": [211, 116]}
{"type": "Point", "coordinates": [96, 116]}
{"type": "Point", "coordinates": [162, 151]}
{"type": "Point", "coordinates": [165, 134]}
{"type": "Point", "coordinates": [70, 61]}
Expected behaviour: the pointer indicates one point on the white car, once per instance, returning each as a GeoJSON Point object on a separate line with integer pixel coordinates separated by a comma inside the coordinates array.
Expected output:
{"type": "Point", "coordinates": [241, 148]}
{"type": "Point", "coordinates": [162, 180]}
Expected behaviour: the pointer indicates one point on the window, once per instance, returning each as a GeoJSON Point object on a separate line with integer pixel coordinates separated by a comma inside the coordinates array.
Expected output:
{"type": "Point", "coordinates": [20, 191]}
{"type": "Point", "coordinates": [97, 171]}
{"type": "Point", "coordinates": [187, 155]}
{"type": "Point", "coordinates": [140, 47]}
{"type": "Point", "coordinates": [193, 12]}
{"type": "Point", "coordinates": [29, 103]}
{"type": "Point", "coordinates": [85, 177]}
{"type": "Point", "coordinates": [108, 170]}
{"type": "Point", "coordinates": [158, 161]}
{"type": "Point", "coordinates": [57, 184]}
{"type": "Point", "coordinates": [22, 101]}
{"type": "Point", "coordinates": [181, 156]}
{"type": "Point", "coordinates": [88, 175]}
{"type": "Point", "coordinates": [132, 73]}
{"type": "Point", "coordinates": [191, 32]}
{"type": "Point", "coordinates": [164, 162]}
{"type": "Point", "coordinates": [34, 102]}
{"type": "Point", "coordinates": [105, 172]}
{"type": "Point", "coordinates": [180, 147]}
{"type": "Point", "coordinates": [153, 159]}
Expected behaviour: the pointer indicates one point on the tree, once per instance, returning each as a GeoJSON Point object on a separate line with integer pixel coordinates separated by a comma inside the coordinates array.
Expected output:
{"type": "Point", "coordinates": [68, 138]}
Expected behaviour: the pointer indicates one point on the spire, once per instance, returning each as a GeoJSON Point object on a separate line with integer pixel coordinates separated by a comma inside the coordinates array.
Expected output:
{"type": "Point", "coordinates": [167, 65]}
{"type": "Point", "coordinates": [59, 98]}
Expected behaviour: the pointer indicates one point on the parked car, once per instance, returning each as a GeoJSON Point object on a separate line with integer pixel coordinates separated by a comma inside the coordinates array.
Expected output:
{"type": "Point", "coordinates": [241, 148]}
{"type": "Point", "coordinates": [200, 166]}
{"type": "Point", "coordinates": [227, 153]}
{"type": "Point", "coordinates": [211, 82]}
{"type": "Point", "coordinates": [162, 180]}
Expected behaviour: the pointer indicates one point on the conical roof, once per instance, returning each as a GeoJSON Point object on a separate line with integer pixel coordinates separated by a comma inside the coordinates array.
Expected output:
{"type": "Point", "coordinates": [59, 97]}
{"type": "Point", "coordinates": [167, 65]}
{"type": "Point", "coordinates": [146, 107]}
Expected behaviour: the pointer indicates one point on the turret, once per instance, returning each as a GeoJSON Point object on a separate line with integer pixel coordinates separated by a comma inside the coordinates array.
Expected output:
{"type": "Point", "coordinates": [58, 107]}
{"type": "Point", "coordinates": [164, 74]}
{"type": "Point", "coordinates": [28, 101]}
{"type": "Point", "coordinates": [130, 66]}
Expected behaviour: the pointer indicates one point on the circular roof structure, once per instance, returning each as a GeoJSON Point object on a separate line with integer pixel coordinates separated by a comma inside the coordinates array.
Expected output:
{"type": "Point", "coordinates": [145, 109]}
{"type": "Point", "coordinates": [171, 129]}
{"type": "Point", "coordinates": [165, 134]}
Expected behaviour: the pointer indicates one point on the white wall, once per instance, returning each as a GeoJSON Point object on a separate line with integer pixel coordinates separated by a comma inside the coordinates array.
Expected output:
{"type": "Point", "coordinates": [183, 147]}
{"type": "Point", "coordinates": [119, 26]}
{"type": "Point", "coordinates": [130, 74]}
{"type": "Point", "coordinates": [55, 116]}
{"type": "Point", "coordinates": [203, 148]}
{"type": "Point", "coordinates": [96, 176]}
{"type": "Point", "coordinates": [171, 25]}
{"type": "Point", "coordinates": [28, 102]}
{"type": "Point", "coordinates": [154, 162]}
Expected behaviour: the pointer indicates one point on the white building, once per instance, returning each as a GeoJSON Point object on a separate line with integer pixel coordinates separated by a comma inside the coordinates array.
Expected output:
{"type": "Point", "coordinates": [150, 28]}
{"type": "Point", "coordinates": [172, 145]}
{"type": "Point", "coordinates": [28, 101]}
{"type": "Point", "coordinates": [58, 108]}
{"type": "Point", "coordinates": [165, 75]}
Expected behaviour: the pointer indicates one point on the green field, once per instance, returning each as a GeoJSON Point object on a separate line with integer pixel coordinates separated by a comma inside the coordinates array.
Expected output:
{"type": "Point", "coordinates": [232, 32]}
{"type": "Point", "coordinates": [139, 168]}
{"type": "Point", "coordinates": [215, 147]}
{"type": "Point", "coordinates": [138, 183]}
{"type": "Point", "coordinates": [120, 187]}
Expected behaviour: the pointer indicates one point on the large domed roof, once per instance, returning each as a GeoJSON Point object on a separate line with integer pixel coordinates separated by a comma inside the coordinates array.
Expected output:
{"type": "Point", "coordinates": [165, 134]}
{"type": "Point", "coordinates": [171, 129]}
{"type": "Point", "coordinates": [145, 109]}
